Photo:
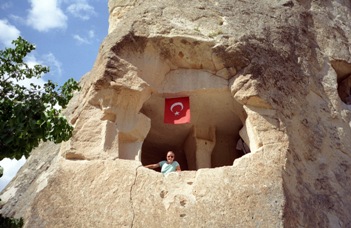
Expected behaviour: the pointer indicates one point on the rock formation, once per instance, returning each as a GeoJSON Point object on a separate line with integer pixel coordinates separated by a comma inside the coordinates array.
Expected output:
{"type": "Point", "coordinates": [276, 73]}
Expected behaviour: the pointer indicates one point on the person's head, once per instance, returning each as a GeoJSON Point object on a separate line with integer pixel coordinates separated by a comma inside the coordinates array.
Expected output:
{"type": "Point", "coordinates": [170, 156]}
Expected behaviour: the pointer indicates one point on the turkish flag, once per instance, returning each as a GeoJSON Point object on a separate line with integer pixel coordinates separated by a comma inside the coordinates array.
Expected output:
{"type": "Point", "coordinates": [177, 110]}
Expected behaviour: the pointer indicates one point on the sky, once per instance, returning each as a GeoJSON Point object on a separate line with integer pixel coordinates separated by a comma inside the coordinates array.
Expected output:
{"type": "Point", "coordinates": [67, 35]}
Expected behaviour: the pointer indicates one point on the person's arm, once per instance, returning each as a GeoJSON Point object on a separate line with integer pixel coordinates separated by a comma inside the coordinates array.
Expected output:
{"type": "Point", "coordinates": [152, 166]}
{"type": "Point", "coordinates": [178, 168]}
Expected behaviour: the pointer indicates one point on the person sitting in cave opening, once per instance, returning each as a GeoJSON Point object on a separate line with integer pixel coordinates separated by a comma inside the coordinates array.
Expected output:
{"type": "Point", "coordinates": [167, 166]}
{"type": "Point", "coordinates": [242, 146]}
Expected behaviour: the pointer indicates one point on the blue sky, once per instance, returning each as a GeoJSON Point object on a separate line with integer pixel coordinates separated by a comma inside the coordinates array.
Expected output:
{"type": "Point", "coordinates": [67, 35]}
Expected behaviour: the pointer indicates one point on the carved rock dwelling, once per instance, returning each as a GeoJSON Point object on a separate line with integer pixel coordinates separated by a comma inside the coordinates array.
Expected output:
{"type": "Point", "coordinates": [274, 73]}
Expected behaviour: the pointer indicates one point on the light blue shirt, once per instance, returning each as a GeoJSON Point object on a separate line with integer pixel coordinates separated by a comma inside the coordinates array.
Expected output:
{"type": "Point", "coordinates": [167, 168]}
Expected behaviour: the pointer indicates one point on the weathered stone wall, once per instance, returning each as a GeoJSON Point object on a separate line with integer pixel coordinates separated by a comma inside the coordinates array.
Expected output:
{"type": "Point", "coordinates": [268, 71]}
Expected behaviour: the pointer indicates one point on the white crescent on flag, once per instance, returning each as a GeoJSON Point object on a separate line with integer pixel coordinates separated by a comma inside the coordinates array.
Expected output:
{"type": "Point", "coordinates": [177, 104]}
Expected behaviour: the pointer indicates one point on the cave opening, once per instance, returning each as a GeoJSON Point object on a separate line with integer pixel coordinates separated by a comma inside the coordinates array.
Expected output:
{"type": "Point", "coordinates": [343, 72]}
{"type": "Point", "coordinates": [210, 139]}
{"type": "Point", "coordinates": [186, 67]}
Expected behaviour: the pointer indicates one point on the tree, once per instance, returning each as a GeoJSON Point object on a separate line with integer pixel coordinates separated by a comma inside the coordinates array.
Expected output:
{"type": "Point", "coordinates": [28, 115]}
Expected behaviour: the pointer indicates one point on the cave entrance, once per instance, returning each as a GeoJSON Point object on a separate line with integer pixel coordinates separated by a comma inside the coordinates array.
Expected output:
{"type": "Point", "coordinates": [210, 139]}
{"type": "Point", "coordinates": [343, 72]}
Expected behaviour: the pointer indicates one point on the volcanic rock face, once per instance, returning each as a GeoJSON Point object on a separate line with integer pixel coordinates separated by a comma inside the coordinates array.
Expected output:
{"type": "Point", "coordinates": [275, 73]}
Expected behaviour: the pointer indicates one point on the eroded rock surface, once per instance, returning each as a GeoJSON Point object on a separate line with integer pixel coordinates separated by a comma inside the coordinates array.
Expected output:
{"type": "Point", "coordinates": [275, 73]}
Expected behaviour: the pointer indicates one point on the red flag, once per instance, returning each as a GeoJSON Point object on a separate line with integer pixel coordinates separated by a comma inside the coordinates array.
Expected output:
{"type": "Point", "coordinates": [177, 110]}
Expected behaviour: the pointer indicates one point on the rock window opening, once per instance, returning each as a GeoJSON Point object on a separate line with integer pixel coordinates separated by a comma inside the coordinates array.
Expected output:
{"type": "Point", "coordinates": [209, 141]}
{"type": "Point", "coordinates": [178, 67]}
{"type": "Point", "coordinates": [343, 71]}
